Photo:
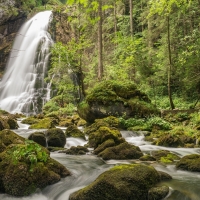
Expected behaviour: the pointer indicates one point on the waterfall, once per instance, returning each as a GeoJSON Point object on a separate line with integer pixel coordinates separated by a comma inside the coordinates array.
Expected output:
{"type": "Point", "coordinates": [23, 89]}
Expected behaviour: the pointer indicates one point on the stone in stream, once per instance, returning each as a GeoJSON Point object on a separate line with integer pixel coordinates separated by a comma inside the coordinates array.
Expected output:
{"type": "Point", "coordinates": [134, 181]}
{"type": "Point", "coordinates": [26, 166]}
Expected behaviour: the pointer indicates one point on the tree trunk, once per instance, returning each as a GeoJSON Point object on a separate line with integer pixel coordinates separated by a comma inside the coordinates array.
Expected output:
{"type": "Point", "coordinates": [131, 17]}
{"type": "Point", "coordinates": [115, 17]}
{"type": "Point", "coordinates": [170, 64]}
{"type": "Point", "coordinates": [100, 43]}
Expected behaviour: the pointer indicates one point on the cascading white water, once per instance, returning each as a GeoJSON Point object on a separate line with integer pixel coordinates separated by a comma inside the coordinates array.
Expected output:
{"type": "Point", "coordinates": [22, 89]}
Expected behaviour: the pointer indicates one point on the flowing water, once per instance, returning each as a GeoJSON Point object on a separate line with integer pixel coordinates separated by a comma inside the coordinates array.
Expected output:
{"type": "Point", "coordinates": [22, 88]}
{"type": "Point", "coordinates": [86, 168]}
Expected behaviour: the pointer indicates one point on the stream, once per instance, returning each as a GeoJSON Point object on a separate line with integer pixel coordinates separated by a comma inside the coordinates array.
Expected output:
{"type": "Point", "coordinates": [86, 168]}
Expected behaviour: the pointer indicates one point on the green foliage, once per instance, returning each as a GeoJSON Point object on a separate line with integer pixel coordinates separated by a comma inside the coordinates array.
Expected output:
{"type": "Point", "coordinates": [30, 152]}
{"type": "Point", "coordinates": [158, 122]}
{"type": "Point", "coordinates": [131, 122]}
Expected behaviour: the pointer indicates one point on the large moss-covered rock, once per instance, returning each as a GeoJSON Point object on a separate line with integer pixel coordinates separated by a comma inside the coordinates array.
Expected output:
{"type": "Point", "coordinates": [189, 163]}
{"type": "Point", "coordinates": [121, 152]}
{"type": "Point", "coordinates": [26, 167]}
{"type": "Point", "coordinates": [116, 99]}
{"type": "Point", "coordinates": [55, 137]}
{"type": "Point", "coordinates": [8, 122]}
{"type": "Point", "coordinates": [8, 137]}
{"type": "Point", "coordinates": [38, 137]}
{"type": "Point", "coordinates": [122, 182]}
{"type": "Point", "coordinates": [73, 131]}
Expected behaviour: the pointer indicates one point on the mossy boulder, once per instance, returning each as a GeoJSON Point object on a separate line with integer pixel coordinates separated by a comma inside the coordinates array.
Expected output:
{"type": "Point", "coordinates": [102, 134]}
{"type": "Point", "coordinates": [45, 123]}
{"type": "Point", "coordinates": [3, 124]}
{"type": "Point", "coordinates": [121, 182]}
{"type": "Point", "coordinates": [104, 145]}
{"type": "Point", "coordinates": [169, 140]}
{"type": "Point", "coordinates": [122, 151]}
{"type": "Point", "coordinates": [107, 121]}
{"type": "Point", "coordinates": [79, 150]}
{"type": "Point", "coordinates": [114, 98]}
{"type": "Point", "coordinates": [55, 137]}
{"type": "Point", "coordinates": [65, 122]}
{"type": "Point", "coordinates": [165, 156]}
{"type": "Point", "coordinates": [189, 163]}
{"type": "Point", "coordinates": [30, 120]}
{"type": "Point", "coordinates": [73, 131]}
{"type": "Point", "coordinates": [158, 193]}
{"type": "Point", "coordinates": [147, 158]}
{"type": "Point", "coordinates": [26, 167]}
{"type": "Point", "coordinates": [38, 137]}
{"type": "Point", "coordinates": [8, 137]}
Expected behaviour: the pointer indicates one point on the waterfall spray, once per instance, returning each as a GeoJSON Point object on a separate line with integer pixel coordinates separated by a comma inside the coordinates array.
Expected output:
{"type": "Point", "coordinates": [22, 89]}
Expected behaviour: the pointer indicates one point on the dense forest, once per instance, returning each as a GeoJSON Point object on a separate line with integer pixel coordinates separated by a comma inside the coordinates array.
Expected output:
{"type": "Point", "coordinates": [154, 44]}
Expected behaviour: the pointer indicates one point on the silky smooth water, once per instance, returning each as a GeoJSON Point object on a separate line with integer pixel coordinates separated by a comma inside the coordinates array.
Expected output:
{"type": "Point", "coordinates": [22, 89]}
{"type": "Point", "coordinates": [86, 168]}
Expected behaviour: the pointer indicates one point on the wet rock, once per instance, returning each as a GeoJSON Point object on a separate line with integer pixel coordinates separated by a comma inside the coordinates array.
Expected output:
{"type": "Point", "coordinates": [45, 123]}
{"type": "Point", "coordinates": [121, 152]}
{"type": "Point", "coordinates": [38, 137]}
{"type": "Point", "coordinates": [147, 158]}
{"type": "Point", "coordinates": [165, 156]}
{"type": "Point", "coordinates": [121, 182]}
{"type": "Point", "coordinates": [170, 141]}
{"type": "Point", "coordinates": [79, 150]}
{"type": "Point", "coordinates": [73, 131]}
{"type": "Point", "coordinates": [55, 137]}
{"type": "Point", "coordinates": [26, 167]}
{"type": "Point", "coordinates": [8, 137]}
{"type": "Point", "coordinates": [159, 192]}
{"type": "Point", "coordinates": [189, 163]}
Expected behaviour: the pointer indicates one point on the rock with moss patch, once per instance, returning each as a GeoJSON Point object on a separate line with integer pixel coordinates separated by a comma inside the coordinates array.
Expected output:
{"type": "Point", "coordinates": [102, 134]}
{"type": "Point", "coordinates": [159, 192]}
{"type": "Point", "coordinates": [45, 123]}
{"type": "Point", "coordinates": [55, 137]}
{"type": "Point", "coordinates": [38, 137]}
{"type": "Point", "coordinates": [170, 141]}
{"type": "Point", "coordinates": [73, 131]}
{"type": "Point", "coordinates": [165, 156]}
{"type": "Point", "coordinates": [114, 98]}
{"type": "Point", "coordinates": [189, 163]}
{"type": "Point", "coordinates": [79, 150]}
{"type": "Point", "coordinates": [26, 167]}
{"type": "Point", "coordinates": [8, 137]}
{"type": "Point", "coordinates": [30, 120]}
{"type": "Point", "coordinates": [121, 182]}
{"type": "Point", "coordinates": [122, 151]}
{"type": "Point", "coordinates": [147, 158]}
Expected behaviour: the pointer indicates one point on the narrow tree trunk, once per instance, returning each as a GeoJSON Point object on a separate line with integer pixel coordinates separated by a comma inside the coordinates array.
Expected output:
{"type": "Point", "coordinates": [131, 17]}
{"type": "Point", "coordinates": [100, 43]}
{"type": "Point", "coordinates": [170, 64]}
{"type": "Point", "coordinates": [115, 17]}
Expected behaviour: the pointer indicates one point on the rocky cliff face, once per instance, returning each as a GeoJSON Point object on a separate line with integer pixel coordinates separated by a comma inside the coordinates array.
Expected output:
{"type": "Point", "coordinates": [10, 23]}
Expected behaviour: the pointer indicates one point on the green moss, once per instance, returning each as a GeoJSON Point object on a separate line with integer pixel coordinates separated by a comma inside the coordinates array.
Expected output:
{"type": "Point", "coordinates": [30, 120]}
{"type": "Point", "coordinates": [45, 123]}
{"type": "Point", "coordinates": [102, 134]}
{"type": "Point", "coordinates": [73, 131]}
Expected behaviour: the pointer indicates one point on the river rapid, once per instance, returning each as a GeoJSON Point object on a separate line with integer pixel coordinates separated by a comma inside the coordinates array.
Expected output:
{"type": "Point", "coordinates": [86, 168]}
